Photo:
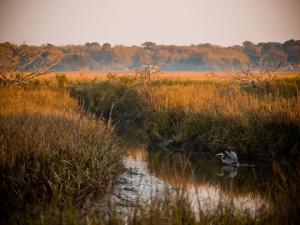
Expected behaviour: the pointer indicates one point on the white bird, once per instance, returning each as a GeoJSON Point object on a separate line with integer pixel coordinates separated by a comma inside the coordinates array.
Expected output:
{"type": "Point", "coordinates": [229, 158]}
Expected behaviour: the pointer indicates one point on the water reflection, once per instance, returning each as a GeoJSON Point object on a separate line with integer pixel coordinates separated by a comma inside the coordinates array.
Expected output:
{"type": "Point", "coordinates": [228, 171]}
{"type": "Point", "coordinates": [207, 183]}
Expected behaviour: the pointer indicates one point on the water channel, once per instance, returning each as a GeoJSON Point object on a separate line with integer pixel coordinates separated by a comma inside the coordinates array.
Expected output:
{"type": "Point", "coordinates": [207, 183]}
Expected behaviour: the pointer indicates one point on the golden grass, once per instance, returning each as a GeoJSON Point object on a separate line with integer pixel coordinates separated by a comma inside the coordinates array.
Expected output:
{"type": "Point", "coordinates": [53, 153]}
{"type": "Point", "coordinates": [228, 101]}
{"type": "Point", "coordinates": [53, 156]}
{"type": "Point", "coordinates": [86, 76]}
{"type": "Point", "coordinates": [78, 76]}
{"type": "Point", "coordinates": [15, 100]}
{"type": "Point", "coordinates": [218, 115]}
{"type": "Point", "coordinates": [211, 114]}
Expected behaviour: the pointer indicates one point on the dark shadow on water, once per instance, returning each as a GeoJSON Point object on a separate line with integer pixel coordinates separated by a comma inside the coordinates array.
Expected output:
{"type": "Point", "coordinates": [207, 169]}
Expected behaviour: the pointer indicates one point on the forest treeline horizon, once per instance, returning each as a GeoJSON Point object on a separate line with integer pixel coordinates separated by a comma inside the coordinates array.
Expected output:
{"type": "Point", "coordinates": [202, 57]}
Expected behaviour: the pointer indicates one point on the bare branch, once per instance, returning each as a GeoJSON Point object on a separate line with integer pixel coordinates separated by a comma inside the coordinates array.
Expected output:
{"type": "Point", "coordinates": [20, 67]}
{"type": "Point", "coordinates": [258, 78]}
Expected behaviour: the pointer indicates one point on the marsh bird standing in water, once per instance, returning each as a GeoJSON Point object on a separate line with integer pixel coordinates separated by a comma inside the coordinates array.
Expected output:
{"type": "Point", "coordinates": [229, 158]}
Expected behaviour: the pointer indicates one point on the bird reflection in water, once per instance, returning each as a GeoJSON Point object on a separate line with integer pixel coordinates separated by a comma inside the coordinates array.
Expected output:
{"type": "Point", "coordinates": [229, 172]}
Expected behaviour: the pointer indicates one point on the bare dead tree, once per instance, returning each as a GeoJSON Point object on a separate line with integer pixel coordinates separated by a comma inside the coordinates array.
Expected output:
{"type": "Point", "coordinates": [257, 77]}
{"type": "Point", "coordinates": [146, 73]}
{"type": "Point", "coordinates": [20, 67]}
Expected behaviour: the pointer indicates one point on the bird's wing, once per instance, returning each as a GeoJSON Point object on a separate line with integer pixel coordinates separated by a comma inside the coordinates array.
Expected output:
{"type": "Point", "coordinates": [228, 158]}
{"type": "Point", "coordinates": [228, 155]}
{"type": "Point", "coordinates": [234, 156]}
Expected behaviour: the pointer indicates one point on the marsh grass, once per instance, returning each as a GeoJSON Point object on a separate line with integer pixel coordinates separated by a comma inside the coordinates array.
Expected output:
{"type": "Point", "coordinates": [57, 161]}
{"type": "Point", "coordinates": [205, 116]}
{"type": "Point", "coordinates": [52, 155]}
{"type": "Point", "coordinates": [115, 100]}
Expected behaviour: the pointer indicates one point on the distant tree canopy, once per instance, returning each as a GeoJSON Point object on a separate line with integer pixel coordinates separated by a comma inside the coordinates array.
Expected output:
{"type": "Point", "coordinates": [201, 57]}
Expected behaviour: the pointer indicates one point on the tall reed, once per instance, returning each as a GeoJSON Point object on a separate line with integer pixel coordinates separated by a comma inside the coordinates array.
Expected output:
{"type": "Point", "coordinates": [52, 154]}
{"type": "Point", "coordinates": [214, 116]}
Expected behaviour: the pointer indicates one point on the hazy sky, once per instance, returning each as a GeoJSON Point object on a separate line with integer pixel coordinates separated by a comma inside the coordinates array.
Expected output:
{"type": "Point", "coordinates": [132, 22]}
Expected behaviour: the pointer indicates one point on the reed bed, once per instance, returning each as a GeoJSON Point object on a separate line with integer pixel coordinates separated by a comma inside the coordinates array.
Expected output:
{"type": "Point", "coordinates": [213, 116]}
{"type": "Point", "coordinates": [53, 156]}
{"type": "Point", "coordinates": [204, 116]}
{"type": "Point", "coordinates": [57, 162]}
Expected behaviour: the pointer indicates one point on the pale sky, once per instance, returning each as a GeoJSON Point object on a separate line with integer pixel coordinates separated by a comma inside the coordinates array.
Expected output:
{"type": "Point", "coordinates": [132, 22]}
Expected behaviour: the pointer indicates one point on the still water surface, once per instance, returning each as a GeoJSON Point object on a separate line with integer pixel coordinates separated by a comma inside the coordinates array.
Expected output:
{"type": "Point", "coordinates": [207, 183]}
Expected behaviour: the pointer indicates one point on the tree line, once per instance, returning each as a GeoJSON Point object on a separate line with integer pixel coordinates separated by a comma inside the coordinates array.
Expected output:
{"type": "Point", "coordinates": [201, 57]}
